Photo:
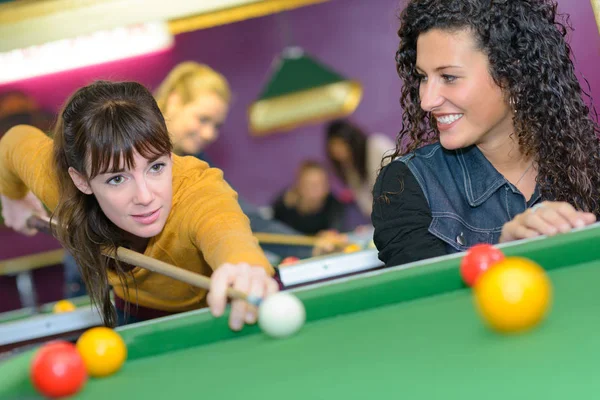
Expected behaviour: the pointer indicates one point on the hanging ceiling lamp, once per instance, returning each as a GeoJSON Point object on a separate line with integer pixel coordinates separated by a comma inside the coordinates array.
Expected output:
{"type": "Point", "coordinates": [596, 9]}
{"type": "Point", "coordinates": [301, 91]}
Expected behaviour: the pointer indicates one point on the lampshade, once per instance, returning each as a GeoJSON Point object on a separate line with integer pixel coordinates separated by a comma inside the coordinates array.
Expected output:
{"type": "Point", "coordinates": [596, 9]}
{"type": "Point", "coordinates": [301, 90]}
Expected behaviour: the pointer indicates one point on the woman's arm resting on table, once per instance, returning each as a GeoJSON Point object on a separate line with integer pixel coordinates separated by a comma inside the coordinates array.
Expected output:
{"type": "Point", "coordinates": [547, 218]}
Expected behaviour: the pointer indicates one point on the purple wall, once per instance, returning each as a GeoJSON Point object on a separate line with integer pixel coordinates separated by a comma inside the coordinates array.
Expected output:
{"type": "Point", "coordinates": [355, 37]}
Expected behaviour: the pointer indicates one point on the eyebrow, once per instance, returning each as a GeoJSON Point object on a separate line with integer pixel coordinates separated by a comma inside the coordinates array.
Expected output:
{"type": "Point", "coordinates": [119, 170]}
{"type": "Point", "coordinates": [441, 68]}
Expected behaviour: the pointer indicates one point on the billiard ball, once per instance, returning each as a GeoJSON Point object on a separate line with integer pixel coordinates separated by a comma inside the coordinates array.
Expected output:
{"type": "Point", "coordinates": [281, 315]}
{"type": "Point", "coordinates": [513, 296]}
{"type": "Point", "coordinates": [57, 370]}
{"type": "Point", "coordinates": [103, 351]}
{"type": "Point", "coordinates": [289, 261]}
{"type": "Point", "coordinates": [63, 306]}
{"type": "Point", "coordinates": [351, 248]}
{"type": "Point", "coordinates": [477, 260]}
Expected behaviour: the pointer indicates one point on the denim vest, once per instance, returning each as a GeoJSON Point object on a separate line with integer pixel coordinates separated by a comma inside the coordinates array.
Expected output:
{"type": "Point", "coordinates": [469, 199]}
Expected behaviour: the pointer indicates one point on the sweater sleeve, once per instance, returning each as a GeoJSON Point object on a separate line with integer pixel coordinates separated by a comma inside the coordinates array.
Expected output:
{"type": "Point", "coordinates": [218, 227]}
{"type": "Point", "coordinates": [401, 218]}
{"type": "Point", "coordinates": [26, 165]}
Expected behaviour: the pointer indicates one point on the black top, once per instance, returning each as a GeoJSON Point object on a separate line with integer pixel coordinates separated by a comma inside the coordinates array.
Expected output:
{"type": "Point", "coordinates": [329, 217]}
{"type": "Point", "coordinates": [401, 217]}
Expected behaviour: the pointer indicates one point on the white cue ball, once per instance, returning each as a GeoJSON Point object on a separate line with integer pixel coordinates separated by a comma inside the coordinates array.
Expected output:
{"type": "Point", "coordinates": [281, 315]}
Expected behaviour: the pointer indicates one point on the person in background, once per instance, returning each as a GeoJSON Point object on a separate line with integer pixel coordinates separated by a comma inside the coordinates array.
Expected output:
{"type": "Point", "coordinates": [20, 108]}
{"type": "Point", "coordinates": [356, 159]}
{"type": "Point", "coordinates": [194, 98]}
{"type": "Point", "coordinates": [308, 205]}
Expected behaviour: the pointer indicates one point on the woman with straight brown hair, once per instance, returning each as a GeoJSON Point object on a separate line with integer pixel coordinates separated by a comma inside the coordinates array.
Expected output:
{"type": "Point", "coordinates": [110, 179]}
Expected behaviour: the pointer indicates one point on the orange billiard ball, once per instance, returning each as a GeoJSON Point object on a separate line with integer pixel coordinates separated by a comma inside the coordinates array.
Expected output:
{"type": "Point", "coordinates": [477, 260]}
{"type": "Point", "coordinates": [57, 370]}
{"type": "Point", "coordinates": [63, 306]}
{"type": "Point", "coordinates": [513, 296]}
{"type": "Point", "coordinates": [103, 351]}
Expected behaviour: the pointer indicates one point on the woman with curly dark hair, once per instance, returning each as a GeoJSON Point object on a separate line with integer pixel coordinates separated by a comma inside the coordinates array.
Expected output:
{"type": "Point", "coordinates": [497, 143]}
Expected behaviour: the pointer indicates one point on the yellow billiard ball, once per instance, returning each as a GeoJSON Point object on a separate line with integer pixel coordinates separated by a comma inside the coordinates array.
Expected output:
{"type": "Point", "coordinates": [103, 351]}
{"type": "Point", "coordinates": [63, 306]}
{"type": "Point", "coordinates": [513, 296]}
{"type": "Point", "coordinates": [351, 248]}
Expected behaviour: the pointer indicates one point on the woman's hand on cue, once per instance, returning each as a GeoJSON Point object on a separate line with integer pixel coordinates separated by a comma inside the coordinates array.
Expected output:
{"type": "Point", "coordinates": [16, 212]}
{"type": "Point", "coordinates": [548, 218]}
{"type": "Point", "coordinates": [248, 279]}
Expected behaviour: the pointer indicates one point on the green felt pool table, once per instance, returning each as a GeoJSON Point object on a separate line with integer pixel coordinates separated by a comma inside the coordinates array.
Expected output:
{"type": "Point", "coordinates": [408, 332]}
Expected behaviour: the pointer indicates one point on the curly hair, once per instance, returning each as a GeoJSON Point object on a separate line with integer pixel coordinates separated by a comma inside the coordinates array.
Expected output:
{"type": "Point", "coordinates": [530, 60]}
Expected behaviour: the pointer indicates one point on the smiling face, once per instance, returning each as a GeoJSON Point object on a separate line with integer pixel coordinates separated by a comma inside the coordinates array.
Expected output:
{"type": "Point", "coordinates": [137, 200]}
{"type": "Point", "coordinates": [195, 125]}
{"type": "Point", "coordinates": [459, 92]}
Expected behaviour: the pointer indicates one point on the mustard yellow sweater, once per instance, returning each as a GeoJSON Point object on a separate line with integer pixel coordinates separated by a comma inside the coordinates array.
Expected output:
{"type": "Point", "coordinates": [206, 227]}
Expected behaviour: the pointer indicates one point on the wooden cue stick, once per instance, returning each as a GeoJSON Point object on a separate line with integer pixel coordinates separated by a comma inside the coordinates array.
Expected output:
{"type": "Point", "coordinates": [286, 239]}
{"type": "Point", "coordinates": [278, 238]}
{"type": "Point", "coordinates": [134, 258]}
{"type": "Point", "coordinates": [30, 262]}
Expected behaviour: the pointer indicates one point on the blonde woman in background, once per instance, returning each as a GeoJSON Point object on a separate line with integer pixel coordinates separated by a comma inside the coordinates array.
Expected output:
{"type": "Point", "coordinates": [194, 99]}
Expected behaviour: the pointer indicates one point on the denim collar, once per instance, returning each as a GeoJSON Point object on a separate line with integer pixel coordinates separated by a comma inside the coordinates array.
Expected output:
{"type": "Point", "coordinates": [481, 179]}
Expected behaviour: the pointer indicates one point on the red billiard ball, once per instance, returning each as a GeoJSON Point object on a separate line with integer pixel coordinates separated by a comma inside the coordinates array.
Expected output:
{"type": "Point", "coordinates": [57, 370]}
{"type": "Point", "coordinates": [289, 261]}
{"type": "Point", "coordinates": [477, 260]}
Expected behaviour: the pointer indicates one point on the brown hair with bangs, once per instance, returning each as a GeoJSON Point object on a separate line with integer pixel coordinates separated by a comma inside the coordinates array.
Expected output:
{"type": "Point", "coordinates": [98, 130]}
